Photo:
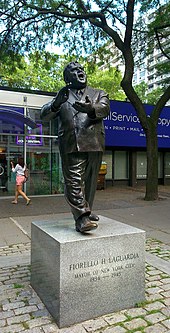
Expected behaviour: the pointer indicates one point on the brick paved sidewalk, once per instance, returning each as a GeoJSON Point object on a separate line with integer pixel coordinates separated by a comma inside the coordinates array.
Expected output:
{"type": "Point", "coordinates": [21, 310]}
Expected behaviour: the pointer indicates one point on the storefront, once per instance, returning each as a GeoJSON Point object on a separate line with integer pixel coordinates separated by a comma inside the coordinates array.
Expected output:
{"type": "Point", "coordinates": [39, 145]}
{"type": "Point", "coordinates": [125, 153]}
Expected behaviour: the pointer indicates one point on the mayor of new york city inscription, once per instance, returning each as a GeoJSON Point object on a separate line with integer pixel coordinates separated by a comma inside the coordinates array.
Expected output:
{"type": "Point", "coordinates": [99, 269]}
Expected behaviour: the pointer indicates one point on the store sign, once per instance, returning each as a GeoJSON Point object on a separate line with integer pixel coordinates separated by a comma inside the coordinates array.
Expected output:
{"type": "Point", "coordinates": [123, 129]}
{"type": "Point", "coordinates": [32, 139]}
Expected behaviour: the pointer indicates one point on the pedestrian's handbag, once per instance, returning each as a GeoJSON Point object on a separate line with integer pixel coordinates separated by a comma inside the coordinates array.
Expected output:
{"type": "Point", "coordinates": [26, 174]}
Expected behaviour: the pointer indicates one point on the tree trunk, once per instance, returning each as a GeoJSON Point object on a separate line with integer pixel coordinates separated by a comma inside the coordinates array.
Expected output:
{"type": "Point", "coordinates": [152, 163]}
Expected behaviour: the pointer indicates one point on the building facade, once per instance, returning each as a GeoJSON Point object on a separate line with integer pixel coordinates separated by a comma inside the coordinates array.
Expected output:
{"type": "Point", "coordinates": [125, 152]}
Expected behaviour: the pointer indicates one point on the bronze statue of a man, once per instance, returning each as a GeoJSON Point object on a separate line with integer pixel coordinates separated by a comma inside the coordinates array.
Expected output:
{"type": "Point", "coordinates": [80, 110]}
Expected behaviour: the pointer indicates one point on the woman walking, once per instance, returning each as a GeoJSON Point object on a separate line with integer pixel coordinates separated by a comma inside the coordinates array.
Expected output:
{"type": "Point", "coordinates": [19, 169]}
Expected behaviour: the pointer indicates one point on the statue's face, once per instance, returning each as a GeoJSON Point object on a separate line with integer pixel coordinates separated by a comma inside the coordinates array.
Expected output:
{"type": "Point", "coordinates": [76, 76]}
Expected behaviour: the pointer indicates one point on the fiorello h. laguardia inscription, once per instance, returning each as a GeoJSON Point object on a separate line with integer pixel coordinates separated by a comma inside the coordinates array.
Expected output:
{"type": "Point", "coordinates": [110, 267]}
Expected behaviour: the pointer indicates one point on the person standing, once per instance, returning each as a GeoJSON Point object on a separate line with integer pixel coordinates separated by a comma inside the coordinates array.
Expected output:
{"type": "Point", "coordinates": [80, 110]}
{"type": "Point", "coordinates": [19, 169]}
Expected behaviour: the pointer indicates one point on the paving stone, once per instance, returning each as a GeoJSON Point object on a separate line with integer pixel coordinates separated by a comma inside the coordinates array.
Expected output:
{"type": "Point", "coordinates": [18, 319]}
{"type": "Point", "coordinates": [155, 297]}
{"type": "Point", "coordinates": [7, 294]}
{"type": "Point", "coordinates": [166, 323]}
{"type": "Point", "coordinates": [41, 313]}
{"type": "Point", "coordinates": [38, 322]}
{"type": "Point", "coordinates": [166, 311]}
{"type": "Point", "coordinates": [6, 314]}
{"type": "Point", "coordinates": [153, 278]}
{"type": "Point", "coordinates": [73, 329]}
{"type": "Point", "coordinates": [12, 329]}
{"type": "Point", "coordinates": [166, 281]}
{"type": "Point", "coordinates": [155, 317]}
{"type": "Point", "coordinates": [25, 309]}
{"type": "Point", "coordinates": [92, 325]}
{"type": "Point", "coordinates": [154, 272]}
{"type": "Point", "coordinates": [158, 328]}
{"type": "Point", "coordinates": [11, 306]}
{"type": "Point", "coordinates": [135, 323]}
{"type": "Point", "coordinates": [167, 301]}
{"type": "Point", "coordinates": [154, 284]}
{"type": "Point", "coordinates": [154, 306]}
{"type": "Point", "coordinates": [115, 318]}
{"type": "Point", "coordinates": [2, 323]}
{"type": "Point", "coordinates": [166, 286]}
{"type": "Point", "coordinates": [4, 278]}
{"type": "Point", "coordinates": [35, 330]}
{"type": "Point", "coordinates": [40, 306]}
{"type": "Point", "coordinates": [53, 328]}
{"type": "Point", "coordinates": [4, 302]}
{"type": "Point", "coordinates": [166, 293]}
{"type": "Point", "coordinates": [33, 300]}
{"type": "Point", "coordinates": [154, 290]}
{"type": "Point", "coordinates": [136, 312]}
{"type": "Point", "coordinates": [116, 329]}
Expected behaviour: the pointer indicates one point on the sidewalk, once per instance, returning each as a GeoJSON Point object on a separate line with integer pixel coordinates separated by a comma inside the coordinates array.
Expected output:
{"type": "Point", "coordinates": [21, 310]}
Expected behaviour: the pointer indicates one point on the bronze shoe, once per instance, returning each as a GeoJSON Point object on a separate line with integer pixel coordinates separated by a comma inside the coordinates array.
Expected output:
{"type": "Point", "coordinates": [93, 217]}
{"type": "Point", "coordinates": [83, 224]}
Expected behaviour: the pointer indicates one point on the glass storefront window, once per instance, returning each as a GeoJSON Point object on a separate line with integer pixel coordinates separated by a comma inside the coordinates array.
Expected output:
{"type": "Point", "coordinates": [121, 165]}
{"type": "Point", "coordinates": [45, 169]}
{"type": "Point", "coordinates": [167, 165]}
{"type": "Point", "coordinates": [44, 128]}
{"type": "Point", "coordinates": [107, 158]}
{"type": "Point", "coordinates": [42, 160]}
{"type": "Point", "coordinates": [160, 165]}
{"type": "Point", "coordinates": [141, 165]}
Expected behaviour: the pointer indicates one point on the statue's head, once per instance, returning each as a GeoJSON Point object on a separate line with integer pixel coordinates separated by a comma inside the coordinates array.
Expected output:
{"type": "Point", "coordinates": [75, 75]}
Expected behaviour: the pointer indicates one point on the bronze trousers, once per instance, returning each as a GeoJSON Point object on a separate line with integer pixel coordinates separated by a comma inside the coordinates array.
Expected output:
{"type": "Point", "coordinates": [80, 171]}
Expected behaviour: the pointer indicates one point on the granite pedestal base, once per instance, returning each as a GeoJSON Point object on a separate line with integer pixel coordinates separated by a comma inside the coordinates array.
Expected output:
{"type": "Point", "coordinates": [80, 277]}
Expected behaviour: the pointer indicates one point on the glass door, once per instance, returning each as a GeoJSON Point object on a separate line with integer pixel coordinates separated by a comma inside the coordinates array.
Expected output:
{"type": "Point", "coordinates": [9, 151]}
{"type": "Point", "coordinates": [43, 161]}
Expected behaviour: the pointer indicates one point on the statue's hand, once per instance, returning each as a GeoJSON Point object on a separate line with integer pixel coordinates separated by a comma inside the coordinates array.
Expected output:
{"type": "Point", "coordinates": [61, 97]}
{"type": "Point", "coordinates": [85, 106]}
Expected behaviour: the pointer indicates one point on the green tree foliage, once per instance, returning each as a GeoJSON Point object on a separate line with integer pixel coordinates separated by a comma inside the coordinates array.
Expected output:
{"type": "Point", "coordinates": [108, 80]}
{"type": "Point", "coordinates": [148, 97]}
{"type": "Point", "coordinates": [39, 70]}
{"type": "Point", "coordinates": [31, 24]}
{"type": "Point", "coordinates": [44, 71]}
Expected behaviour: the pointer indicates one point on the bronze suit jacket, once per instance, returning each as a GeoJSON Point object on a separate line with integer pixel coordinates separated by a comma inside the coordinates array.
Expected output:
{"type": "Point", "coordinates": [76, 130]}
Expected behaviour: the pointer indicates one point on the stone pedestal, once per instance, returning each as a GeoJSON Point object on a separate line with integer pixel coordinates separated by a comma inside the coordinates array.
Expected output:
{"type": "Point", "coordinates": [80, 277]}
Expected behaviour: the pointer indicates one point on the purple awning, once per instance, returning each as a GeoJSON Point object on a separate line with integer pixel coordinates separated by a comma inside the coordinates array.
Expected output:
{"type": "Point", "coordinates": [16, 118]}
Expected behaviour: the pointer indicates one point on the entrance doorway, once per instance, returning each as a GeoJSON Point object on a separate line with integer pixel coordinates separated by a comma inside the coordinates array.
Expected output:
{"type": "Point", "coordinates": [43, 161]}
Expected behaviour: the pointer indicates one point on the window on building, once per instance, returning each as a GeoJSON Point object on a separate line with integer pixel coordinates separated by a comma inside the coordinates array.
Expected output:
{"type": "Point", "coordinates": [167, 165]}
{"type": "Point", "coordinates": [121, 165]}
{"type": "Point", "coordinates": [107, 157]}
{"type": "Point", "coordinates": [141, 165]}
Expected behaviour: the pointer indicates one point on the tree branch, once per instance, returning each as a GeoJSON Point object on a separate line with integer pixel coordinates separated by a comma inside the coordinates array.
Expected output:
{"type": "Point", "coordinates": [57, 13]}
{"type": "Point", "coordinates": [129, 22]}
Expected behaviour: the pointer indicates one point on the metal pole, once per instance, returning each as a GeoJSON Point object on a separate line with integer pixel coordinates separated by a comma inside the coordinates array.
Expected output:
{"type": "Point", "coordinates": [25, 142]}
